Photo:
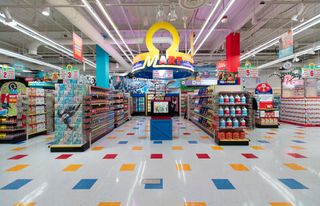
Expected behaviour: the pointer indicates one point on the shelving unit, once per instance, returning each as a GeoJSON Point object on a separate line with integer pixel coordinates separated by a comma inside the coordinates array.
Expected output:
{"type": "Point", "coordinates": [120, 113]}
{"type": "Point", "coordinates": [36, 112]}
{"type": "Point", "coordinates": [127, 107]}
{"type": "Point", "coordinates": [138, 104]}
{"type": "Point", "coordinates": [267, 118]}
{"type": "Point", "coordinates": [11, 130]}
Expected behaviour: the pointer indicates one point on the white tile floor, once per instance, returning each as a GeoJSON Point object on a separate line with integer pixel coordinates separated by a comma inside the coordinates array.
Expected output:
{"type": "Point", "coordinates": [192, 174]}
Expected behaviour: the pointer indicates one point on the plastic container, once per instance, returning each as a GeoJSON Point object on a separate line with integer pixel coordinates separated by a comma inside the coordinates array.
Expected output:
{"type": "Point", "coordinates": [232, 112]}
{"type": "Point", "coordinates": [244, 111]}
{"type": "Point", "coordinates": [238, 111]}
{"type": "Point", "coordinates": [221, 99]}
{"type": "Point", "coordinates": [222, 123]}
{"type": "Point", "coordinates": [231, 99]}
{"type": "Point", "coordinates": [229, 123]}
{"type": "Point", "coordinates": [226, 111]}
{"type": "Point", "coordinates": [237, 99]}
{"type": "Point", "coordinates": [242, 122]}
{"type": "Point", "coordinates": [235, 123]}
{"type": "Point", "coordinates": [226, 99]}
{"type": "Point", "coordinates": [220, 111]}
{"type": "Point", "coordinates": [243, 99]}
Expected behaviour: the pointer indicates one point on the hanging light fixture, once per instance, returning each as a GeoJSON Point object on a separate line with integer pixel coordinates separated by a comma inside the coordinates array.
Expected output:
{"type": "Point", "coordinates": [224, 19]}
{"type": "Point", "coordinates": [46, 11]}
{"type": "Point", "coordinates": [172, 16]}
{"type": "Point", "coordinates": [160, 13]}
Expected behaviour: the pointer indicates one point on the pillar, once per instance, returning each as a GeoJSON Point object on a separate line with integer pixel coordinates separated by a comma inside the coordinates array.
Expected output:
{"type": "Point", "coordinates": [102, 70]}
{"type": "Point", "coordinates": [233, 52]}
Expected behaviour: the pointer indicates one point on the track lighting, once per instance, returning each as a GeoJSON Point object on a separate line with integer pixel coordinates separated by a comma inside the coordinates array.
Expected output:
{"type": "Point", "coordinates": [296, 59]}
{"type": "Point", "coordinates": [172, 16]}
{"type": "Point", "coordinates": [46, 11]}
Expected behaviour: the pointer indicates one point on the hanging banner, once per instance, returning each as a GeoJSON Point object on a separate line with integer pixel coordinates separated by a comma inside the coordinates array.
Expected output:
{"type": "Point", "coordinates": [311, 71]}
{"type": "Point", "coordinates": [248, 71]}
{"type": "Point", "coordinates": [77, 46]}
{"type": "Point", "coordinates": [7, 72]}
{"type": "Point", "coordinates": [69, 72]}
{"type": "Point", "coordinates": [286, 44]}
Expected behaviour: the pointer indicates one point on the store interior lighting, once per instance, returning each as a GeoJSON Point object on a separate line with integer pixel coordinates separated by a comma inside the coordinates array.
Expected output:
{"type": "Point", "coordinates": [299, 15]}
{"type": "Point", "coordinates": [296, 30]}
{"type": "Point", "coordinates": [104, 27]}
{"type": "Point", "coordinates": [224, 19]}
{"type": "Point", "coordinates": [46, 11]}
{"type": "Point", "coordinates": [231, 2]}
{"type": "Point", "coordinates": [36, 35]}
{"type": "Point", "coordinates": [172, 16]}
{"type": "Point", "coordinates": [28, 59]}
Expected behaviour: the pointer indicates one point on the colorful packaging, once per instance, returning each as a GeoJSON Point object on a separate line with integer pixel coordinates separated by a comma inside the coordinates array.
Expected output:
{"type": "Point", "coordinates": [235, 135]}
{"type": "Point", "coordinates": [232, 112]}
{"type": "Point", "coordinates": [221, 135]}
{"type": "Point", "coordinates": [237, 99]}
{"type": "Point", "coordinates": [226, 111]}
{"type": "Point", "coordinates": [235, 123]}
{"type": "Point", "coordinates": [229, 135]}
{"type": "Point", "coordinates": [228, 123]}
{"type": "Point", "coordinates": [231, 99]}
{"type": "Point", "coordinates": [226, 99]}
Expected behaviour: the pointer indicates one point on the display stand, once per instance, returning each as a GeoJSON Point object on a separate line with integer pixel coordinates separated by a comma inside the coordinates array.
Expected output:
{"type": "Point", "coordinates": [160, 122]}
{"type": "Point", "coordinates": [120, 105]}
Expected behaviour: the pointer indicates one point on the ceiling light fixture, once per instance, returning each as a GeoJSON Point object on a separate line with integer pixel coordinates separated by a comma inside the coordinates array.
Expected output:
{"type": "Point", "coordinates": [103, 26]}
{"type": "Point", "coordinates": [28, 59]}
{"type": "Point", "coordinates": [160, 13]}
{"type": "Point", "coordinates": [172, 16]}
{"type": "Point", "coordinates": [296, 30]}
{"type": "Point", "coordinates": [105, 13]}
{"type": "Point", "coordinates": [224, 19]}
{"type": "Point", "coordinates": [46, 11]}
{"type": "Point", "coordinates": [36, 35]}
{"type": "Point", "coordinates": [7, 15]}
{"type": "Point", "coordinates": [231, 2]}
{"type": "Point", "coordinates": [299, 15]}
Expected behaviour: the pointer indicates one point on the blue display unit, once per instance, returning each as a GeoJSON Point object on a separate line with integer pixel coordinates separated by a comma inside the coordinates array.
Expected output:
{"type": "Point", "coordinates": [160, 128]}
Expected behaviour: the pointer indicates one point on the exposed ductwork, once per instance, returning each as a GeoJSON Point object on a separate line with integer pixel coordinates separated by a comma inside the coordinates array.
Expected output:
{"type": "Point", "coordinates": [82, 23]}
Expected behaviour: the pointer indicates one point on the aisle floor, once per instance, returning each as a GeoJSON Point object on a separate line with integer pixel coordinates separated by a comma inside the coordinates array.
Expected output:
{"type": "Point", "coordinates": [280, 168]}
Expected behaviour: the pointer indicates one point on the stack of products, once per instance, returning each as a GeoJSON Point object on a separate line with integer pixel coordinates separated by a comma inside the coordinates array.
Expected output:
{"type": "Point", "coordinates": [150, 97]}
{"type": "Point", "coordinates": [126, 106]}
{"type": "Point", "coordinates": [36, 117]}
{"type": "Point", "coordinates": [120, 116]}
{"type": "Point", "coordinates": [50, 110]}
{"type": "Point", "coordinates": [267, 118]}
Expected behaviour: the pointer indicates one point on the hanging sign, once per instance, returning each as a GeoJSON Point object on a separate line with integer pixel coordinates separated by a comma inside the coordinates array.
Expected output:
{"type": "Point", "coordinates": [311, 71]}
{"type": "Point", "coordinates": [286, 44]}
{"type": "Point", "coordinates": [248, 71]}
{"type": "Point", "coordinates": [181, 64]}
{"type": "Point", "coordinates": [263, 88]}
{"type": "Point", "coordinates": [7, 72]}
{"type": "Point", "coordinates": [77, 46]}
{"type": "Point", "coordinates": [69, 72]}
{"type": "Point", "coordinates": [162, 74]}
{"type": "Point", "coordinates": [221, 65]}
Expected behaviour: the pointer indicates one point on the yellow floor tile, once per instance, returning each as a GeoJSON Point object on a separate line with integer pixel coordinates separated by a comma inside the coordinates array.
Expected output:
{"type": "Point", "coordinates": [120, 130]}
{"type": "Point", "coordinates": [280, 204]}
{"type": "Point", "coordinates": [18, 149]}
{"type": "Point", "coordinates": [217, 148]}
{"type": "Point", "coordinates": [267, 137]}
{"type": "Point", "coordinates": [109, 204]}
{"type": "Point", "coordinates": [204, 137]}
{"type": "Point", "coordinates": [72, 167]}
{"type": "Point", "coordinates": [111, 137]}
{"type": "Point", "coordinates": [97, 148]}
{"type": "Point", "coordinates": [257, 147]}
{"type": "Point", "coordinates": [136, 148]}
{"type": "Point", "coordinates": [294, 166]}
{"type": "Point", "coordinates": [49, 138]}
{"type": "Point", "coordinates": [177, 148]}
{"type": "Point", "coordinates": [195, 204]}
{"type": "Point", "coordinates": [196, 130]}
{"type": "Point", "coordinates": [147, 130]}
{"type": "Point", "coordinates": [297, 147]}
{"type": "Point", "coordinates": [17, 168]}
{"type": "Point", "coordinates": [239, 167]}
{"type": "Point", "coordinates": [127, 167]}
{"type": "Point", "coordinates": [25, 204]}
{"type": "Point", "coordinates": [142, 137]}
{"type": "Point", "coordinates": [299, 137]}
{"type": "Point", "coordinates": [183, 167]}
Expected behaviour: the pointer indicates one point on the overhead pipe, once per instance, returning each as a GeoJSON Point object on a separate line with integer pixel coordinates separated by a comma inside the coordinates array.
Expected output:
{"type": "Point", "coordinates": [86, 27]}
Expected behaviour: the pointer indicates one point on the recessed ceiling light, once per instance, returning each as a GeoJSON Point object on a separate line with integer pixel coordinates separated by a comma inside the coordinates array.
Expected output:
{"type": "Point", "coordinates": [46, 11]}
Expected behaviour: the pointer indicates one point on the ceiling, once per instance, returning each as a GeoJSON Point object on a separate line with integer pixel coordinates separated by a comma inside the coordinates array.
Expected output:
{"type": "Point", "coordinates": [134, 17]}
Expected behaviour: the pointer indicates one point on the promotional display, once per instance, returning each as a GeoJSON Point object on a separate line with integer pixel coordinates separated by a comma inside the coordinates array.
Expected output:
{"type": "Point", "coordinates": [7, 72]}
{"type": "Point", "coordinates": [286, 44]}
{"type": "Point", "coordinates": [77, 46]}
{"type": "Point", "coordinates": [69, 72]}
{"type": "Point", "coordinates": [248, 71]}
{"type": "Point", "coordinates": [311, 71]}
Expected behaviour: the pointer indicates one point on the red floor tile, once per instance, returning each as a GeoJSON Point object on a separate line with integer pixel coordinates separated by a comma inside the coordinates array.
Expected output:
{"type": "Point", "coordinates": [296, 155]}
{"type": "Point", "coordinates": [16, 157]}
{"type": "Point", "coordinates": [110, 156]}
{"type": "Point", "coordinates": [156, 156]}
{"type": "Point", "coordinates": [203, 156]}
{"type": "Point", "coordinates": [130, 133]}
{"type": "Point", "coordinates": [64, 156]}
{"type": "Point", "coordinates": [249, 155]}
{"type": "Point", "coordinates": [186, 133]}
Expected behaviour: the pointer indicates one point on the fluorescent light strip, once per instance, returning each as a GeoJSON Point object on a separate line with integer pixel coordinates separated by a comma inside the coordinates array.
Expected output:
{"type": "Point", "coordinates": [102, 9]}
{"type": "Point", "coordinates": [99, 21]}
{"type": "Point", "coordinates": [306, 51]}
{"type": "Point", "coordinates": [28, 59]}
{"type": "Point", "coordinates": [207, 21]}
{"type": "Point", "coordinates": [231, 2]}
{"type": "Point", "coordinates": [296, 30]}
{"type": "Point", "coordinates": [36, 35]}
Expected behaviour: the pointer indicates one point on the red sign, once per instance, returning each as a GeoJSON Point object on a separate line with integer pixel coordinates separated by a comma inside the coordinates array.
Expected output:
{"type": "Point", "coordinates": [263, 88]}
{"type": "Point", "coordinates": [221, 65]}
{"type": "Point", "coordinates": [29, 79]}
{"type": "Point", "coordinates": [77, 47]}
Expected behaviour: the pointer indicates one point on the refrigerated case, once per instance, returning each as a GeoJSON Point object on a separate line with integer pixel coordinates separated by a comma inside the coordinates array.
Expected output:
{"type": "Point", "coordinates": [170, 97]}
{"type": "Point", "coordinates": [138, 104]}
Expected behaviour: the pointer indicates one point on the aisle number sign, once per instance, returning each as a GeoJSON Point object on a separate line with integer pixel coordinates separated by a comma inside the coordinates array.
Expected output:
{"type": "Point", "coordinates": [69, 72]}
{"type": "Point", "coordinates": [7, 72]}
{"type": "Point", "coordinates": [248, 71]}
{"type": "Point", "coordinates": [311, 71]}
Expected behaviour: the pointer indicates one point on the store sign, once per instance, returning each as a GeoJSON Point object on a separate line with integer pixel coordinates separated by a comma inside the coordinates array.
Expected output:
{"type": "Point", "coordinates": [286, 44]}
{"type": "Point", "coordinates": [228, 78]}
{"type": "Point", "coordinates": [221, 65]}
{"type": "Point", "coordinates": [181, 63]}
{"type": "Point", "coordinates": [311, 71]}
{"type": "Point", "coordinates": [69, 72]}
{"type": "Point", "coordinates": [248, 71]}
{"type": "Point", "coordinates": [263, 88]}
{"type": "Point", "coordinates": [77, 46]}
{"type": "Point", "coordinates": [47, 85]}
{"type": "Point", "coordinates": [7, 72]}
{"type": "Point", "coordinates": [162, 74]}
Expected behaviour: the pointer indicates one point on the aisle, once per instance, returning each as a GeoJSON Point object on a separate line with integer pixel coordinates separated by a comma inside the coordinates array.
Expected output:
{"type": "Point", "coordinates": [125, 168]}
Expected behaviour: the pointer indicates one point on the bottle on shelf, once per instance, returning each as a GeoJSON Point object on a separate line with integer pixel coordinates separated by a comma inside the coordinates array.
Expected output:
{"type": "Point", "coordinates": [226, 99]}
{"type": "Point", "coordinates": [238, 111]}
{"type": "Point", "coordinates": [226, 111]}
{"type": "Point", "coordinates": [243, 99]}
{"type": "Point", "coordinates": [222, 123]}
{"type": "Point", "coordinates": [231, 99]}
{"type": "Point", "coordinates": [237, 99]}
{"type": "Point", "coordinates": [221, 112]}
{"type": "Point", "coordinates": [244, 111]}
{"type": "Point", "coordinates": [235, 123]}
{"type": "Point", "coordinates": [229, 123]}
{"type": "Point", "coordinates": [232, 112]}
{"type": "Point", "coordinates": [242, 122]}
{"type": "Point", "coordinates": [221, 99]}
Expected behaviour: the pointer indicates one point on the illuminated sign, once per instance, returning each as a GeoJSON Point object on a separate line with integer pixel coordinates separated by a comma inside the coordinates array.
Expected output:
{"type": "Point", "coordinates": [181, 64]}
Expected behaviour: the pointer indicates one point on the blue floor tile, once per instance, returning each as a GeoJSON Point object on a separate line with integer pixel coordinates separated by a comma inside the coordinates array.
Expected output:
{"type": "Point", "coordinates": [298, 141]}
{"type": "Point", "coordinates": [122, 142]}
{"type": "Point", "coordinates": [223, 184]}
{"type": "Point", "coordinates": [292, 183]}
{"type": "Point", "coordinates": [17, 184]}
{"type": "Point", "coordinates": [263, 141]}
{"type": "Point", "coordinates": [193, 142]}
{"type": "Point", "coordinates": [154, 186]}
{"type": "Point", "coordinates": [84, 184]}
{"type": "Point", "coordinates": [20, 142]}
{"type": "Point", "coordinates": [157, 142]}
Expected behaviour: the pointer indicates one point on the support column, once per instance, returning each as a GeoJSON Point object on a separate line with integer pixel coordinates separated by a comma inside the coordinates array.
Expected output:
{"type": "Point", "coordinates": [102, 70]}
{"type": "Point", "coordinates": [233, 52]}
